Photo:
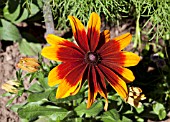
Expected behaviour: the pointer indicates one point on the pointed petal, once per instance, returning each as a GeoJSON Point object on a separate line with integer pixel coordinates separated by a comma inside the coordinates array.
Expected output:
{"type": "Point", "coordinates": [123, 40]}
{"type": "Point", "coordinates": [116, 44]}
{"type": "Point", "coordinates": [101, 86]}
{"type": "Point", "coordinates": [79, 33]}
{"type": "Point", "coordinates": [58, 73]}
{"type": "Point", "coordinates": [92, 91]}
{"type": "Point", "coordinates": [122, 58]}
{"type": "Point", "coordinates": [93, 32]}
{"type": "Point", "coordinates": [115, 81]}
{"type": "Point", "coordinates": [71, 81]}
{"type": "Point", "coordinates": [62, 50]}
{"type": "Point", "coordinates": [121, 71]}
{"type": "Point", "coordinates": [104, 37]}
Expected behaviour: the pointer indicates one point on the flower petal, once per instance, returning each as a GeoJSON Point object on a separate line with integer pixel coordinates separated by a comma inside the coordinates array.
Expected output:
{"type": "Point", "coordinates": [79, 33]}
{"type": "Point", "coordinates": [92, 91]}
{"type": "Point", "coordinates": [58, 73]}
{"type": "Point", "coordinates": [93, 32]}
{"type": "Point", "coordinates": [123, 40]}
{"type": "Point", "coordinates": [121, 71]}
{"type": "Point", "coordinates": [71, 81]}
{"type": "Point", "coordinates": [97, 84]}
{"type": "Point", "coordinates": [115, 81]}
{"type": "Point", "coordinates": [116, 44]}
{"type": "Point", "coordinates": [122, 58]}
{"type": "Point", "coordinates": [62, 50]}
{"type": "Point", "coordinates": [101, 86]}
{"type": "Point", "coordinates": [104, 37]}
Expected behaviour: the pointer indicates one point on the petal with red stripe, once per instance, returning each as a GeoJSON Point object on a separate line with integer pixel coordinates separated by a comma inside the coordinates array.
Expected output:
{"type": "Point", "coordinates": [93, 32]}
{"type": "Point", "coordinates": [79, 33]}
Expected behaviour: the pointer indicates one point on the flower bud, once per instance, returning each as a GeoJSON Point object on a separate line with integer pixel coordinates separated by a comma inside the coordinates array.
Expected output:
{"type": "Point", "coordinates": [10, 86]}
{"type": "Point", "coordinates": [135, 97]}
{"type": "Point", "coordinates": [28, 64]}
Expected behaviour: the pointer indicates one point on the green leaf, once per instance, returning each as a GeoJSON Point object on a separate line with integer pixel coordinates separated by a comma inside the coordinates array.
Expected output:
{"type": "Point", "coordinates": [32, 111]}
{"type": "Point", "coordinates": [33, 9]}
{"type": "Point", "coordinates": [29, 48]}
{"type": "Point", "coordinates": [52, 97]}
{"type": "Point", "coordinates": [91, 112]}
{"type": "Point", "coordinates": [11, 16]}
{"type": "Point", "coordinates": [8, 31]}
{"type": "Point", "coordinates": [159, 109]}
{"type": "Point", "coordinates": [111, 116]}
{"type": "Point", "coordinates": [10, 101]}
{"type": "Point", "coordinates": [125, 119]}
{"type": "Point", "coordinates": [16, 107]}
{"type": "Point", "coordinates": [162, 114]}
{"type": "Point", "coordinates": [36, 87]}
{"type": "Point", "coordinates": [44, 119]}
{"type": "Point", "coordinates": [140, 110]}
{"type": "Point", "coordinates": [5, 94]}
{"type": "Point", "coordinates": [34, 97]}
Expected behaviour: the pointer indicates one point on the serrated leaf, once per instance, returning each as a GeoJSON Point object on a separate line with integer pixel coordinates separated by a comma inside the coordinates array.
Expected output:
{"type": "Point", "coordinates": [111, 115]}
{"type": "Point", "coordinates": [32, 111]}
{"type": "Point", "coordinates": [29, 48]}
{"type": "Point", "coordinates": [91, 112]}
{"type": "Point", "coordinates": [8, 31]}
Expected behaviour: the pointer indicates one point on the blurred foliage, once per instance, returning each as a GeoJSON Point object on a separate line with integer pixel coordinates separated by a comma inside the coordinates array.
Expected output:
{"type": "Point", "coordinates": [13, 12]}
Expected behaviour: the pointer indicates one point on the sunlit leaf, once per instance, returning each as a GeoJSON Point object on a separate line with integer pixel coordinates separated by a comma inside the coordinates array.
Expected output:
{"type": "Point", "coordinates": [96, 108]}
{"type": "Point", "coordinates": [29, 48]}
{"type": "Point", "coordinates": [111, 116]}
{"type": "Point", "coordinates": [36, 87]}
{"type": "Point", "coordinates": [32, 111]}
{"type": "Point", "coordinates": [8, 31]}
{"type": "Point", "coordinates": [34, 97]}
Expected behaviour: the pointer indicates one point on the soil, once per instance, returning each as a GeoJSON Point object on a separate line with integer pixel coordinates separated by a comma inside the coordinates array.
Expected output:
{"type": "Point", "coordinates": [8, 60]}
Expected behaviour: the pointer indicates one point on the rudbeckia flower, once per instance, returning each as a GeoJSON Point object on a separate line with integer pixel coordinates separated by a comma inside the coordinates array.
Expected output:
{"type": "Point", "coordinates": [95, 57]}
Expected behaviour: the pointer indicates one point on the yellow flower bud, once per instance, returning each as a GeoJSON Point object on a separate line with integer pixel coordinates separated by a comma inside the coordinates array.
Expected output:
{"type": "Point", "coordinates": [28, 64]}
{"type": "Point", "coordinates": [10, 86]}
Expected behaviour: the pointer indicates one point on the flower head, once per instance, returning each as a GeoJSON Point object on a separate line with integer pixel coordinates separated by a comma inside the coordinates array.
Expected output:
{"type": "Point", "coordinates": [28, 64]}
{"type": "Point", "coordinates": [135, 96]}
{"type": "Point", "coordinates": [95, 57]}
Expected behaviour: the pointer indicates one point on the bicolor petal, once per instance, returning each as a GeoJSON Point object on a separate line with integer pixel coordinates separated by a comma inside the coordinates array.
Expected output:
{"type": "Point", "coordinates": [123, 40]}
{"type": "Point", "coordinates": [92, 83]}
{"type": "Point", "coordinates": [115, 44]}
{"type": "Point", "coordinates": [57, 74]}
{"type": "Point", "coordinates": [79, 33]}
{"type": "Point", "coordinates": [104, 38]}
{"type": "Point", "coordinates": [123, 58]}
{"type": "Point", "coordinates": [71, 81]}
{"type": "Point", "coordinates": [93, 31]}
{"type": "Point", "coordinates": [65, 51]}
{"type": "Point", "coordinates": [121, 71]}
{"type": "Point", "coordinates": [115, 81]}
